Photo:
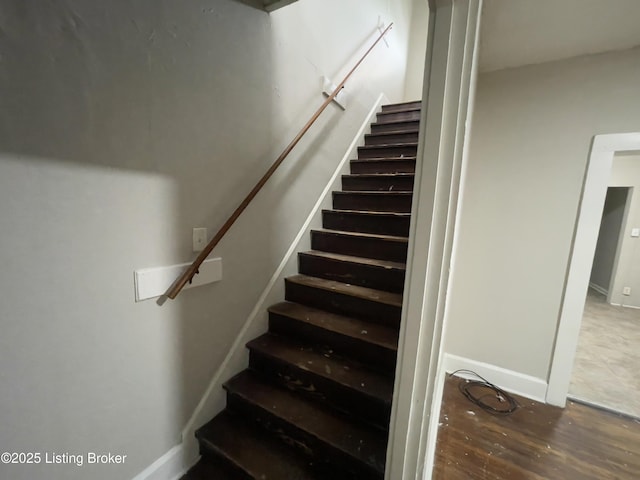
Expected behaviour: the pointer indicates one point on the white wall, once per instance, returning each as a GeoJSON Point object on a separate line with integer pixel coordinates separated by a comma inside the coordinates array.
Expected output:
{"type": "Point", "coordinates": [122, 126]}
{"type": "Point", "coordinates": [626, 173]}
{"type": "Point", "coordinates": [531, 136]}
{"type": "Point", "coordinates": [604, 258]}
{"type": "Point", "coordinates": [417, 50]}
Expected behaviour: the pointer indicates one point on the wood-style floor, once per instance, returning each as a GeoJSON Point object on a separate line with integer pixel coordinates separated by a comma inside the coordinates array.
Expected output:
{"type": "Point", "coordinates": [536, 442]}
{"type": "Point", "coordinates": [605, 371]}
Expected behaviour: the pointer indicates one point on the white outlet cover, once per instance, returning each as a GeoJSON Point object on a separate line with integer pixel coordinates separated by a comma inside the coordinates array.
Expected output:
{"type": "Point", "coordinates": [635, 232]}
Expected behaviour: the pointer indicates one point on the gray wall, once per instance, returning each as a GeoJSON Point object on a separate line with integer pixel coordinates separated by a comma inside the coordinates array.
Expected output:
{"type": "Point", "coordinates": [532, 131]}
{"type": "Point", "coordinates": [626, 173]}
{"type": "Point", "coordinates": [612, 221]}
{"type": "Point", "coordinates": [122, 126]}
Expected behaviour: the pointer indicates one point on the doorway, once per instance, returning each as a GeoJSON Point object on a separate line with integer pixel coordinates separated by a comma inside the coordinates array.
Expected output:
{"type": "Point", "coordinates": [603, 149]}
{"type": "Point", "coordinates": [605, 260]}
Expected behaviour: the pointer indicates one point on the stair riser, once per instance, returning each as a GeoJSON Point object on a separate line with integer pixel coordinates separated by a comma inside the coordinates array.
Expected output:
{"type": "Point", "coordinates": [401, 107]}
{"type": "Point", "coordinates": [409, 137]}
{"type": "Point", "coordinates": [382, 184]}
{"type": "Point", "coordinates": [383, 166]}
{"type": "Point", "coordinates": [317, 388]}
{"type": "Point", "coordinates": [372, 203]}
{"type": "Point", "coordinates": [381, 151]}
{"type": "Point", "coordinates": [335, 302]}
{"type": "Point", "coordinates": [212, 454]}
{"type": "Point", "coordinates": [300, 440]}
{"type": "Point", "coordinates": [380, 278]}
{"type": "Point", "coordinates": [395, 127]}
{"type": "Point", "coordinates": [356, 222]}
{"type": "Point", "coordinates": [410, 116]}
{"type": "Point", "coordinates": [367, 247]}
{"type": "Point", "coordinates": [378, 357]}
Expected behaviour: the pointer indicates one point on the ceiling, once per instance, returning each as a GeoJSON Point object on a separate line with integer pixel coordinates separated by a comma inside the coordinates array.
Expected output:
{"type": "Point", "coordinates": [523, 32]}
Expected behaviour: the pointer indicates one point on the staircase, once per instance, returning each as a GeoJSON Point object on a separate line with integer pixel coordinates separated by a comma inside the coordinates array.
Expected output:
{"type": "Point", "coordinates": [316, 399]}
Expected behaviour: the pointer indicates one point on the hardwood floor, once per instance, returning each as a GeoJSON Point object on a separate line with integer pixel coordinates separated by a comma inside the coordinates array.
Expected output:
{"type": "Point", "coordinates": [535, 442]}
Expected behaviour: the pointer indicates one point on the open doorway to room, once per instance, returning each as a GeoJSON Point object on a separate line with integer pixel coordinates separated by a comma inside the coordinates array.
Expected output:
{"type": "Point", "coordinates": [599, 324]}
{"type": "Point", "coordinates": [608, 353]}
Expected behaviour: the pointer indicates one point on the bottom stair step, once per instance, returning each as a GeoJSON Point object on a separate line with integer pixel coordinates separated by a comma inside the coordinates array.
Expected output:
{"type": "Point", "coordinates": [249, 452]}
{"type": "Point", "coordinates": [326, 436]}
{"type": "Point", "coordinates": [206, 469]}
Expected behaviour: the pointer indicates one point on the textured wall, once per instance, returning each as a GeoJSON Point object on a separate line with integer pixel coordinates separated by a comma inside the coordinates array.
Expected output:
{"type": "Point", "coordinates": [122, 126]}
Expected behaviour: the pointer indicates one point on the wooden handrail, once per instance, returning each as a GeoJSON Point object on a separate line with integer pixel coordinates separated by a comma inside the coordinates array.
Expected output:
{"type": "Point", "coordinates": [192, 270]}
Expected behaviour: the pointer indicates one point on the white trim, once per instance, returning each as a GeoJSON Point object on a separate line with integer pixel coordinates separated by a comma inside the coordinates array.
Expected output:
{"type": "Point", "coordinates": [154, 282]}
{"type": "Point", "coordinates": [213, 400]}
{"type": "Point", "coordinates": [432, 433]}
{"type": "Point", "coordinates": [509, 380]}
{"type": "Point", "coordinates": [586, 234]}
{"type": "Point", "coordinates": [448, 72]}
{"type": "Point", "coordinates": [598, 288]}
{"type": "Point", "coordinates": [625, 306]}
{"type": "Point", "coordinates": [170, 466]}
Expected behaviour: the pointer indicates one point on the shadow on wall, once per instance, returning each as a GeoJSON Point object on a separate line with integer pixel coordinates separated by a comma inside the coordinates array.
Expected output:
{"type": "Point", "coordinates": [121, 127]}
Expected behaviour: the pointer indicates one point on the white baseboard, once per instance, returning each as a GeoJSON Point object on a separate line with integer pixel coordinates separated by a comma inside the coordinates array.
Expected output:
{"type": "Point", "coordinates": [171, 466]}
{"type": "Point", "coordinates": [509, 380]}
{"type": "Point", "coordinates": [625, 306]}
{"type": "Point", "coordinates": [598, 288]}
{"type": "Point", "coordinates": [182, 457]}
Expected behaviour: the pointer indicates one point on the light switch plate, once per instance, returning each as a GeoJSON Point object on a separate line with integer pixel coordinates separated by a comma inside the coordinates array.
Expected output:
{"type": "Point", "coordinates": [635, 232]}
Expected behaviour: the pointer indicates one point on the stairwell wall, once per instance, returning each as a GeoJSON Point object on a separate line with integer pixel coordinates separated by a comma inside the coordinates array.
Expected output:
{"type": "Point", "coordinates": [532, 132]}
{"type": "Point", "coordinates": [122, 126]}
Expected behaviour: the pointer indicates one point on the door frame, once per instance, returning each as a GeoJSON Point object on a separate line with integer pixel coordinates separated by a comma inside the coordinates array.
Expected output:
{"type": "Point", "coordinates": [603, 149]}
{"type": "Point", "coordinates": [449, 83]}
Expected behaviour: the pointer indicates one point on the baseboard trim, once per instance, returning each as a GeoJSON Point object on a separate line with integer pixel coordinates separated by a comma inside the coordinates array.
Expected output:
{"type": "Point", "coordinates": [598, 288]}
{"type": "Point", "coordinates": [173, 464]}
{"type": "Point", "coordinates": [515, 382]}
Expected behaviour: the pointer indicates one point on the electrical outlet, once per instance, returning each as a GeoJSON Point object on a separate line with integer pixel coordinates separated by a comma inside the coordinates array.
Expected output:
{"type": "Point", "coordinates": [626, 291]}
{"type": "Point", "coordinates": [199, 239]}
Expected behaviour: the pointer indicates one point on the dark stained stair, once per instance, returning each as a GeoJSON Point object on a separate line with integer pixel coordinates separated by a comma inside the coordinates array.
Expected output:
{"type": "Point", "coordinates": [315, 402]}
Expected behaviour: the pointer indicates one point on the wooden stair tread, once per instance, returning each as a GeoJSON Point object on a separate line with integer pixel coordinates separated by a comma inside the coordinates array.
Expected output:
{"type": "Point", "coordinates": [391, 238]}
{"type": "Point", "coordinates": [363, 330]}
{"type": "Point", "coordinates": [385, 159]}
{"type": "Point", "coordinates": [207, 470]}
{"type": "Point", "coordinates": [380, 296]}
{"type": "Point", "coordinates": [415, 124]}
{"type": "Point", "coordinates": [326, 429]}
{"type": "Point", "coordinates": [406, 131]}
{"type": "Point", "coordinates": [370, 213]}
{"type": "Point", "coordinates": [390, 145]}
{"type": "Point", "coordinates": [385, 264]}
{"type": "Point", "coordinates": [375, 193]}
{"type": "Point", "coordinates": [379, 175]}
{"type": "Point", "coordinates": [342, 371]}
{"type": "Point", "coordinates": [251, 451]}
